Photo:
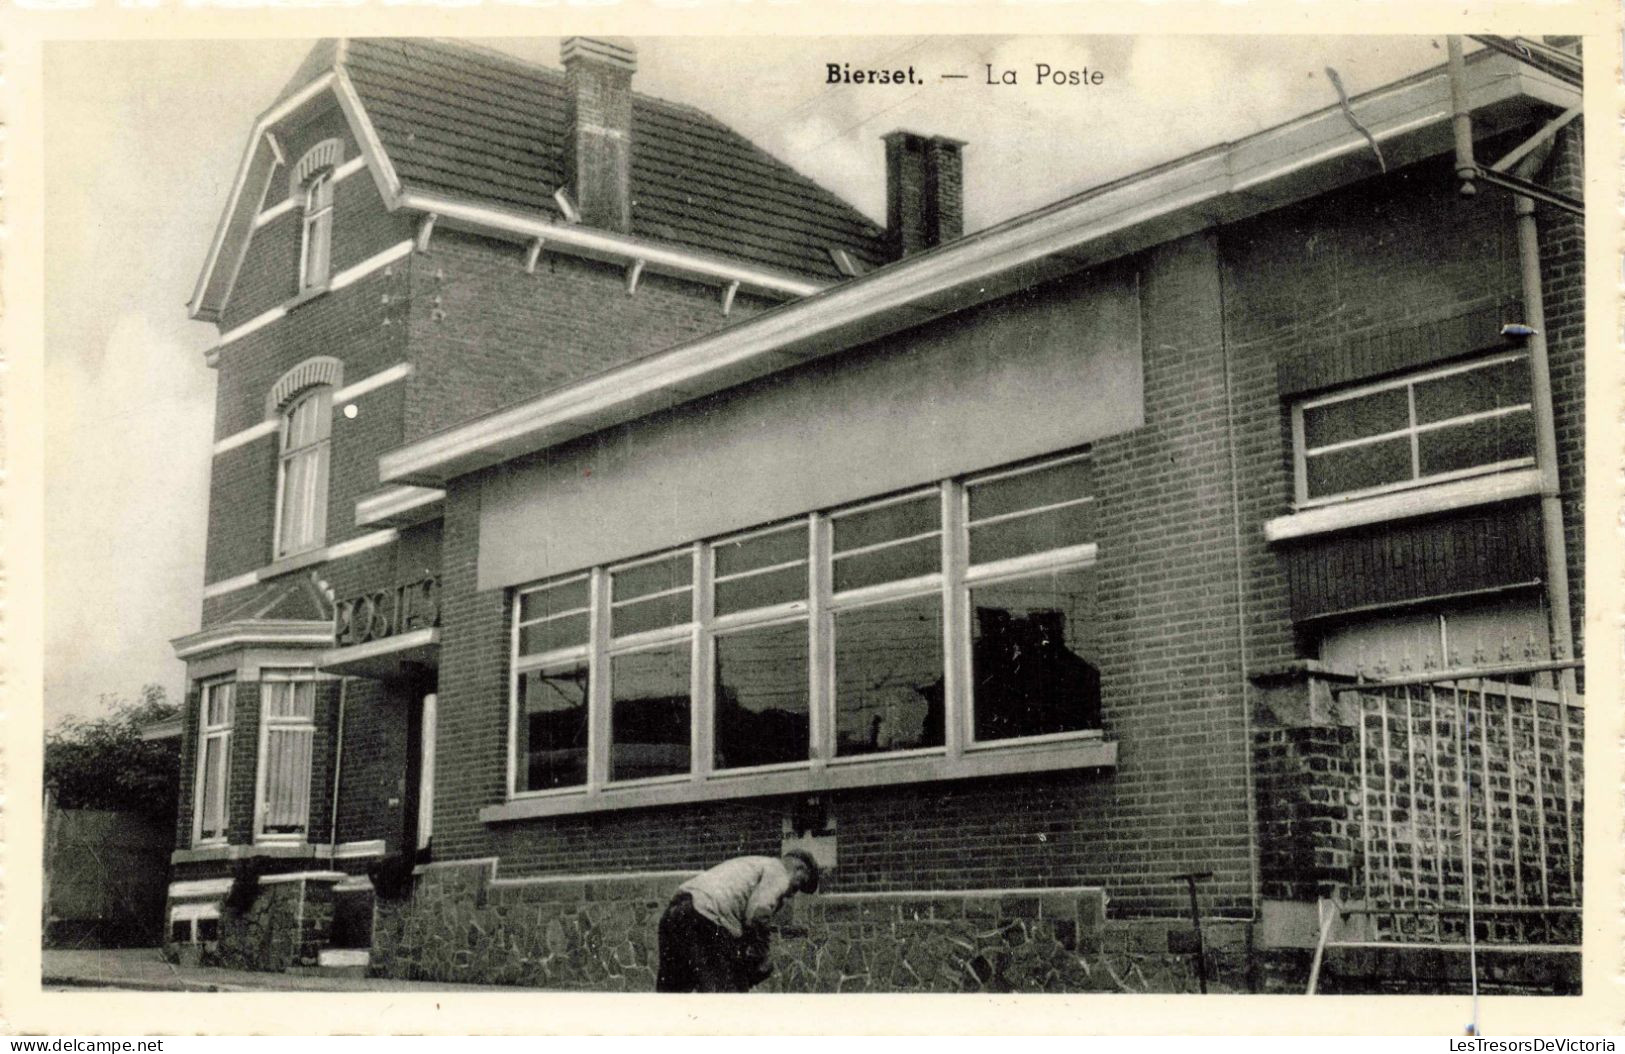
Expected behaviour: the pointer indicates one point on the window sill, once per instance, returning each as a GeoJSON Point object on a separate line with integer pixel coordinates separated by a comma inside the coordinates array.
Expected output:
{"type": "Point", "coordinates": [296, 562]}
{"type": "Point", "coordinates": [1079, 754]}
{"type": "Point", "coordinates": [1423, 501]}
{"type": "Point", "coordinates": [207, 853]}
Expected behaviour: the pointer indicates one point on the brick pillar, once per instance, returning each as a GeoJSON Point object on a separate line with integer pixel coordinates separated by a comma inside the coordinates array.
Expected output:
{"type": "Point", "coordinates": [1306, 773]}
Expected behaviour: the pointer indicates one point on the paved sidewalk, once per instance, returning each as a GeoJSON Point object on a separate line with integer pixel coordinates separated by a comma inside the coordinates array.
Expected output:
{"type": "Point", "coordinates": [144, 969]}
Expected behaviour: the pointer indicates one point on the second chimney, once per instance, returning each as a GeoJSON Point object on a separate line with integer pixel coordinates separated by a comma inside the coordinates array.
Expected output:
{"type": "Point", "coordinates": [925, 199]}
{"type": "Point", "coordinates": [598, 132]}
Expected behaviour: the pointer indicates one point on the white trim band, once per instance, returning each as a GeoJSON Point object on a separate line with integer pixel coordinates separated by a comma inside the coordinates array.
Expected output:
{"type": "Point", "coordinates": [398, 372]}
{"type": "Point", "coordinates": [350, 275]}
{"type": "Point", "coordinates": [301, 876]}
{"type": "Point", "coordinates": [1403, 504]}
{"type": "Point", "coordinates": [247, 435]}
{"type": "Point", "coordinates": [201, 887]}
{"type": "Point", "coordinates": [398, 506]}
{"type": "Point", "coordinates": [358, 850]}
{"type": "Point", "coordinates": [362, 544]}
{"type": "Point", "coordinates": [259, 321]}
{"type": "Point", "coordinates": [194, 911]}
{"type": "Point", "coordinates": [299, 560]}
{"type": "Point", "coordinates": [230, 585]}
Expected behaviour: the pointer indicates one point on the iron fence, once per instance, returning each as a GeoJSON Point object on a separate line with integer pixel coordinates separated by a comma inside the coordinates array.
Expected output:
{"type": "Point", "coordinates": [1468, 801]}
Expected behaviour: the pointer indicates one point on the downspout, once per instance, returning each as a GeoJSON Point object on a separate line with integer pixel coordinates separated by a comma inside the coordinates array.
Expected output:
{"type": "Point", "coordinates": [338, 769]}
{"type": "Point", "coordinates": [1461, 120]}
{"type": "Point", "coordinates": [1551, 504]}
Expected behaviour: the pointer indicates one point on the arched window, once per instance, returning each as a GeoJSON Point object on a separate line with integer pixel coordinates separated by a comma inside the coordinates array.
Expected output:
{"type": "Point", "coordinates": [302, 478]}
{"type": "Point", "coordinates": [316, 243]}
{"type": "Point", "coordinates": [312, 182]}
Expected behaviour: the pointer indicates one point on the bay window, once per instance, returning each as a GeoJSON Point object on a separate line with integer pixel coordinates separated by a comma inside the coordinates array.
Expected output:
{"type": "Point", "coordinates": [287, 737]}
{"type": "Point", "coordinates": [217, 713]}
{"type": "Point", "coordinates": [898, 636]}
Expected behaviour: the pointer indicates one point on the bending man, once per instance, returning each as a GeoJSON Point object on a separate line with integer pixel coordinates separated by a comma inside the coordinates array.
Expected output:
{"type": "Point", "coordinates": [713, 935]}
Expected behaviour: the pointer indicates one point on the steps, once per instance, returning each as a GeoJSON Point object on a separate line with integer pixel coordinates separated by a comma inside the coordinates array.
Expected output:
{"type": "Point", "coordinates": [337, 962]}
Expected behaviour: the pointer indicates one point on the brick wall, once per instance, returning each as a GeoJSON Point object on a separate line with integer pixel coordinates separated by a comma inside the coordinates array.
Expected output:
{"type": "Point", "coordinates": [486, 334]}
{"type": "Point", "coordinates": [1562, 251]}
{"type": "Point", "coordinates": [1179, 799]}
{"type": "Point", "coordinates": [1220, 311]}
{"type": "Point", "coordinates": [1308, 833]}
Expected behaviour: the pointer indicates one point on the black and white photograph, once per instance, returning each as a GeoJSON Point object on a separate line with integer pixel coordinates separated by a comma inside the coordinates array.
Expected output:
{"type": "Point", "coordinates": [983, 514]}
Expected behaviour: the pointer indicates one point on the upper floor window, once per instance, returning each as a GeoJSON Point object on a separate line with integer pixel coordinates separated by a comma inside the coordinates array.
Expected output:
{"type": "Point", "coordinates": [302, 476]}
{"type": "Point", "coordinates": [1426, 427]}
{"type": "Point", "coordinates": [312, 184]}
{"type": "Point", "coordinates": [914, 629]}
{"type": "Point", "coordinates": [212, 809]}
{"type": "Point", "coordinates": [287, 735]}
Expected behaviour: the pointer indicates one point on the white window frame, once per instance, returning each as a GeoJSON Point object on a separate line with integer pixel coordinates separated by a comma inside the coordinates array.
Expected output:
{"type": "Point", "coordinates": [296, 724]}
{"type": "Point", "coordinates": [313, 518]}
{"type": "Point", "coordinates": [1301, 453]}
{"type": "Point", "coordinates": [952, 582]}
{"type": "Point", "coordinates": [316, 230]}
{"type": "Point", "coordinates": [222, 731]}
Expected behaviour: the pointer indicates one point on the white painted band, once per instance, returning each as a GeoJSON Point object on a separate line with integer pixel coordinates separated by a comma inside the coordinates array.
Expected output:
{"type": "Point", "coordinates": [398, 372]}
{"type": "Point", "coordinates": [301, 876]}
{"type": "Point", "coordinates": [332, 552]}
{"type": "Point", "coordinates": [200, 887]}
{"type": "Point", "coordinates": [247, 435]}
{"type": "Point", "coordinates": [372, 263]}
{"type": "Point", "coordinates": [194, 911]}
{"type": "Point", "coordinates": [230, 585]}
{"type": "Point", "coordinates": [362, 544]}
{"type": "Point", "coordinates": [257, 322]}
{"type": "Point", "coordinates": [354, 850]}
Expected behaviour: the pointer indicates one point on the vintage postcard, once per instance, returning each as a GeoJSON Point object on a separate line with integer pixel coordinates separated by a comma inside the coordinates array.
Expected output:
{"type": "Point", "coordinates": [534, 518]}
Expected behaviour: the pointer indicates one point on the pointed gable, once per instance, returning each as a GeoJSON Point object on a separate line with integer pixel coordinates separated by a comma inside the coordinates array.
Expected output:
{"type": "Point", "coordinates": [469, 124]}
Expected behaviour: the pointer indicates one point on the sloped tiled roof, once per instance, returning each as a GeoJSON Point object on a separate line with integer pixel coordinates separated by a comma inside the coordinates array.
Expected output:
{"type": "Point", "coordinates": [469, 123]}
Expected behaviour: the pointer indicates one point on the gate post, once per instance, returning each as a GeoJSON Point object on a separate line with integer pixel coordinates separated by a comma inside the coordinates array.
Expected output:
{"type": "Point", "coordinates": [1305, 780]}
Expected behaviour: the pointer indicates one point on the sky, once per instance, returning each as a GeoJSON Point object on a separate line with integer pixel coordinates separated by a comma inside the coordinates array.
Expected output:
{"type": "Point", "coordinates": [143, 140]}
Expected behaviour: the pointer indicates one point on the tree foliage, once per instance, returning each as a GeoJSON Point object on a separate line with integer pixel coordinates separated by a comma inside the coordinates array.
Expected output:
{"type": "Point", "coordinates": [103, 763]}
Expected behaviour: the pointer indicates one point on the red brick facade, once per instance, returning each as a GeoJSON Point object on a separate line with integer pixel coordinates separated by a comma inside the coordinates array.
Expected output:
{"type": "Point", "coordinates": [1192, 599]}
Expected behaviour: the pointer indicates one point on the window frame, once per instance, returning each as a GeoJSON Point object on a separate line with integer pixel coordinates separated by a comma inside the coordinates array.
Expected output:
{"type": "Point", "coordinates": [262, 778]}
{"type": "Point", "coordinates": [1407, 382]}
{"type": "Point", "coordinates": [316, 229]}
{"type": "Point", "coordinates": [225, 732]}
{"type": "Point", "coordinates": [320, 453]}
{"type": "Point", "coordinates": [951, 583]}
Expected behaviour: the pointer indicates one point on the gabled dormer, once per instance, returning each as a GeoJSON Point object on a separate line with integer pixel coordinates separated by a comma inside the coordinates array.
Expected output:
{"type": "Point", "coordinates": [573, 162]}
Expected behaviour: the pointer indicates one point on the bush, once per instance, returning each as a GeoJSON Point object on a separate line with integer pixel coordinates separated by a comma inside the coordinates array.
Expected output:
{"type": "Point", "coordinates": [103, 763]}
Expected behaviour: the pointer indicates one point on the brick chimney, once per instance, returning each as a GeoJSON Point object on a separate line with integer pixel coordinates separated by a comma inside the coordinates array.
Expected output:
{"type": "Point", "coordinates": [598, 130]}
{"type": "Point", "coordinates": [925, 198]}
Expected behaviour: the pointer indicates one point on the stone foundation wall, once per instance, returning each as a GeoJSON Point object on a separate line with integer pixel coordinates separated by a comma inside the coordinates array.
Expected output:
{"type": "Point", "coordinates": [286, 926]}
{"type": "Point", "coordinates": [599, 934]}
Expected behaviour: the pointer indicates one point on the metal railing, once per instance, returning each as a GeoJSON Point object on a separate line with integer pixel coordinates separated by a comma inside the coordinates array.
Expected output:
{"type": "Point", "coordinates": [1468, 803]}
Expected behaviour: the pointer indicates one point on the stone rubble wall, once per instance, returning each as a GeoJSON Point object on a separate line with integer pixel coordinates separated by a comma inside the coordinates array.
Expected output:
{"type": "Point", "coordinates": [599, 934]}
{"type": "Point", "coordinates": [286, 926]}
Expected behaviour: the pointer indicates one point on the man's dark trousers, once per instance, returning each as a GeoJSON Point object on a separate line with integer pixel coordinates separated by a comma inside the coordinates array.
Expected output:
{"type": "Point", "coordinates": [696, 955]}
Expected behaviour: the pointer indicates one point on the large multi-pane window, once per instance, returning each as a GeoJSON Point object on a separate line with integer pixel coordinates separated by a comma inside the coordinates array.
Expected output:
{"type": "Point", "coordinates": [1437, 425]}
{"type": "Point", "coordinates": [215, 719]}
{"type": "Point", "coordinates": [957, 617]}
{"type": "Point", "coordinates": [287, 736]}
{"type": "Point", "coordinates": [302, 475]}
